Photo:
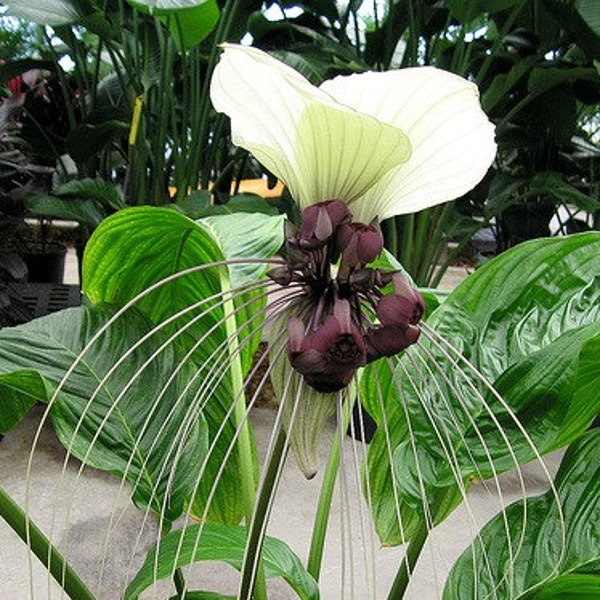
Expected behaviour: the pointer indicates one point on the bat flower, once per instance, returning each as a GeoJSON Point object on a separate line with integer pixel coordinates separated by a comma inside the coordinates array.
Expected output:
{"type": "Point", "coordinates": [352, 152]}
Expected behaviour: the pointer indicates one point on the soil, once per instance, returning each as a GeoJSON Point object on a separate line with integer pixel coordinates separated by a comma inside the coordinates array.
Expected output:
{"type": "Point", "coordinates": [266, 397]}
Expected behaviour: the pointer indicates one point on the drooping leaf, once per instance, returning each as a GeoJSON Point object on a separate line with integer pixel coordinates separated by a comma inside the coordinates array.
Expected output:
{"type": "Point", "coordinates": [137, 248]}
{"type": "Point", "coordinates": [219, 543]}
{"type": "Point", "coordinates": [543, 558]}
{"type": "Point", "coordinates": [553, 184]}
{"type": "Point", "coordinates": [134, 422]}
{"type": "Point", "coordinates": [83, 210]}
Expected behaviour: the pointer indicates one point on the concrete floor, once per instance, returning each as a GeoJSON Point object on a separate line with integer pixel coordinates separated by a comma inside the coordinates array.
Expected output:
{"type": "Point", "coordinates": [105, 529]}
{"type": "Point", "coordinates": [105, 532]}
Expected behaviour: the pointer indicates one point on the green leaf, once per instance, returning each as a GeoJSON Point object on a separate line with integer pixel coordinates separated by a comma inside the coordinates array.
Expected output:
{"type": "Point", "coordinates": [138, 247]}
{"type": "Point", "coordinates": [525, 320]}
{"type": "Point", "coordinates": [537, 562]}
{"type": "Point", "coordinates": [86, 140]}
{"type": "Point", "coordinates": [545, 397]}
{"type": "Point", "coordinates": [219, 543]}
{"type": "Point", "coordinates": [83, 211]}
{"type": "Point", "coordinates": [107, 194]}
{"type": "Point", "coordinates": [588, 9]}
{"type": "Point", "coordinates": [580, 18]}
{"type": "Point", "coordinates": [246, 235]}
{"type": "Point", "coordinates": [47, 12]}
{"type": "Point", "coordinates": [164, 7]}
{"type": "Point", "coordinates": [542, 79]}
{"type": "Point", "coordinates": [551, 183]}
{"type": "Point", "coordinates": [189, 21]}
{"type": "Point", "coordinates": [19, 392]}
{"type": "Point", "coordinates": [524, 330]}
{"type": "Point", "coordinates": [502, 84]}
{"type": "Point", "coordinates": [569, 587]}
{"type": "Point", "coordinates": [189, 26]}
{"type": "Point", "coordinates": [202, 595]}
{"type": "Point", "coordinates": [523, 300]}
{"type": "Point", "coordinates": [116, 421]}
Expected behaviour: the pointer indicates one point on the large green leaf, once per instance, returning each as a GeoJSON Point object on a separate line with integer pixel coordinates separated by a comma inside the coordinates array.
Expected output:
{"type": "Point", "coordinates": [522, 320]}
{"type": "Point", "coordinates": [87, 201]}
{"type": "Point", "coordinates": [219, 543]}
{"type": "Point", "coordinates": [136, 248]}
{"type": "Point", "coordinates": [523, 300]}
{"type": "Point", "coordinates": [19, 392]}
{"type": "Point", "coordinates": [588, 9]}
{"type": "Point", "coordinates": [543, 558]}
{"type": "Point", "coordinates": [117, 422]}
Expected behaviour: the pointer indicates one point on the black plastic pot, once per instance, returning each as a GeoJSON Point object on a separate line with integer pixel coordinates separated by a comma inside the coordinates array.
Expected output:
{"type": "Point", "coordinates": [48, 266]}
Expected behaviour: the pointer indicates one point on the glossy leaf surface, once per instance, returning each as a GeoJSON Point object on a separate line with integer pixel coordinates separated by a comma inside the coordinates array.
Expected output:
{"type": "Point", "coordinates": [128, 422]}
{"type": "Point", "coordinates": [522, 320]}
{"type": "Point", "coordinates": [547, 561]}
{"type": "Point", "coordinates": [19, 392]}
{"type": "Point", "coordinates": [225, 544]}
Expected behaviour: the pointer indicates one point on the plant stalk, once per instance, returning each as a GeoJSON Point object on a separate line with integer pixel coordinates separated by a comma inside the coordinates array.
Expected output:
{"type": "Point", "coordinates": [317, 542]}
{"type": "Point", "coordinates": [415, 547]}
{"type": "Point", "coordinates": [41, 547]}
{"type": "Point", "coordinates": [251, 567]}
{"type": "Point", "coordinates": [244, 440]}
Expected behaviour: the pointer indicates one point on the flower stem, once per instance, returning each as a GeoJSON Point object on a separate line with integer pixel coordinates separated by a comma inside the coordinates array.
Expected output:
{"type": "Point", "coordinates": [257, 528]}
{"type": "Point", "coordinates": [244, 441]}
{"type": "Point", "coordinates": [415, 547]}
{"type": "Point", "coordinates": [41, 547]}
{"type": "Point", "coordinates": [317, 542]}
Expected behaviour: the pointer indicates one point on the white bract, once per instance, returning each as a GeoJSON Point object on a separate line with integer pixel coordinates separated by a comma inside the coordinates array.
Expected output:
{"type": "Point", "coordinates": [385, 143]}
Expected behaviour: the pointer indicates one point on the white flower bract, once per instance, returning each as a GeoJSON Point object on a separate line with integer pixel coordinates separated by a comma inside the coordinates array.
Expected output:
{"type": "Point", "coordinates": [385, 143]}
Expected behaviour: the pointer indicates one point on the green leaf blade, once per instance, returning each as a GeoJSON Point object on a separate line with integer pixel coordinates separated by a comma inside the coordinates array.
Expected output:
{"type": "Point", "coordinates": [209, 542]}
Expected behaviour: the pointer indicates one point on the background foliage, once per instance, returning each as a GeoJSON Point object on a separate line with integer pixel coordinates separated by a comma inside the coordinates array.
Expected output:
{"type": "Point", "coordinates": [117, 115]}
{"type": "Point", "coordinates": [137, 113]}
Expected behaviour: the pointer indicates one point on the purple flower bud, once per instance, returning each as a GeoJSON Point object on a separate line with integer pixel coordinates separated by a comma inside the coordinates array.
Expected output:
{"type": "Point", "coordinates": [359, 243]}
{"type": "Point", "coordinates": [328, 357]}
{"type": "Point", "coordinates": [388, 340]}
{"type": "Point", "coordinates": [283, 275]}
{"type": "Point", "coordinates": [320, 221]}
{"type": "Point", "coordinates": [404, 307]}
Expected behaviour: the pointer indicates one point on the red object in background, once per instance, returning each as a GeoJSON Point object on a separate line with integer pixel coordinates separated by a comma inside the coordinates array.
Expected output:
{"type": "Point", "coordinates": [15, 85]}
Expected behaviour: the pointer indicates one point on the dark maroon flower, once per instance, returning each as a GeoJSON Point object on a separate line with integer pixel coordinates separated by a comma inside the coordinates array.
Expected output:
{"type": "Point", "coordinates": [328, 357]}
{"type": "Point", "coordinates": [404, 307]}
{"type": "Point", "coordinates": [320, 221]}
{"type": "Point", "coordinates": [387, 340]}
{"type": "Point", "coordinates": [337, 335]}
{"type": "Point", "coordinates": [359, 244]}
